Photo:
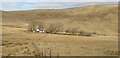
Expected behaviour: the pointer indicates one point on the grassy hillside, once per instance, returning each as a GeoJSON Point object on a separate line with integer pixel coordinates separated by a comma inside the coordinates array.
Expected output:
{"type": "Point", "coordinates": [101, 19]}
{"type": "Point", "coordinates": [94, 18]}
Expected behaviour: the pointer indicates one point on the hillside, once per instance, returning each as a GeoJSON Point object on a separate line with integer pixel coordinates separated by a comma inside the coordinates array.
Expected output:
{"type": "Point", "coordinates": [94, 18]}
{"type": "Point", "coordinates": [101, 20]}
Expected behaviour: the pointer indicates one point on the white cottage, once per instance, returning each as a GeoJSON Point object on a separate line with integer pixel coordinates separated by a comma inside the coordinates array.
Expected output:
{"type": "Point", "coordinates": [40, 31]}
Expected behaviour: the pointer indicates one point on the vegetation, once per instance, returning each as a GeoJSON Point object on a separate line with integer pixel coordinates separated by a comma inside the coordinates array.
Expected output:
{"type": "Point", "coordinates": [88, 17]}
{"type": "Point", "coordinates": [72, 31]}
{"type": "Point", "coordinates": [95, 19]}
{"type": "Point", "coordinates": [55, 27]}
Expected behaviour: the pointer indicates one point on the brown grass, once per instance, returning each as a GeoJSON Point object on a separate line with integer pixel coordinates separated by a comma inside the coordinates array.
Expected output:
{"type": "Point", "coordinates": [17, 42]}
{"type": "Point", "coordinates": [97, 18]}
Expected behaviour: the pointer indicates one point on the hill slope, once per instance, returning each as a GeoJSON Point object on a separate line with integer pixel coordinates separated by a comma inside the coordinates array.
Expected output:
{"type": "Point", "coordinates": [94, 18]}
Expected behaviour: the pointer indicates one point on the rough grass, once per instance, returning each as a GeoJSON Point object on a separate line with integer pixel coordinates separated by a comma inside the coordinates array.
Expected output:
{"type": "Point", "coordinates": [17, 42]}
{"type": "Point", "coordinates": [96, 18]}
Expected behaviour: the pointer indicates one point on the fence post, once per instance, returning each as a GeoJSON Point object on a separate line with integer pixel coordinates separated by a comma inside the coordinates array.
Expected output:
{"type": "Point", "coordinates": [50, 53]}
{"type": "Point", "coordinates": [57, 55]}
{"type": "Point", "coordinates": [45, 55]}
{"type": "Point", "coordinates": [42, 54]}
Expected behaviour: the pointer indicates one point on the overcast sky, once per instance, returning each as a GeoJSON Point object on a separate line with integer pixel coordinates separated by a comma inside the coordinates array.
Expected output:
{"type": "Point", "coordinates": [60, 0]}
{"type": "Point", "coordinates": [11, 5]}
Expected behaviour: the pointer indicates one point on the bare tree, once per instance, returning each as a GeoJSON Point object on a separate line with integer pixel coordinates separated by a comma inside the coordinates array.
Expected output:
{"type": "Point", "coordinates": [84, 33]}
{"type": "Point", "coordinates": [55, 27]}
{"type": "Point", "coordinates": [72, 30]}
{"type": "Point", "coordinates": [31, 26]}
{"type": "Point", "coordinates": [40, 25]}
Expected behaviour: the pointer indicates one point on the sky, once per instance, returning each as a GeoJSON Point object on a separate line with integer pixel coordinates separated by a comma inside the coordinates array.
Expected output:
{"type": "Point", "coordinates": [15, 5]}
{"type": "Point", "coordinates": [59, 0]}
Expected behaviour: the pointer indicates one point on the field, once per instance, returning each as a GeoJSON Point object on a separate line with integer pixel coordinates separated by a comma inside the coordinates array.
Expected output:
{"type": "Point", "coordinates": [18, 42]}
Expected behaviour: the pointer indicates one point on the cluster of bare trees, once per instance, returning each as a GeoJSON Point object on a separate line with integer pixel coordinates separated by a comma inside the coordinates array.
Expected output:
{"type": "Point", "coordinates": [72, 31]}
{"type": "Point", "coordinates": [35, 25]}
{"type": "Point", "coordinates": [56, 28]}
{"type": "Point", "coordinates": [52, 27]}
